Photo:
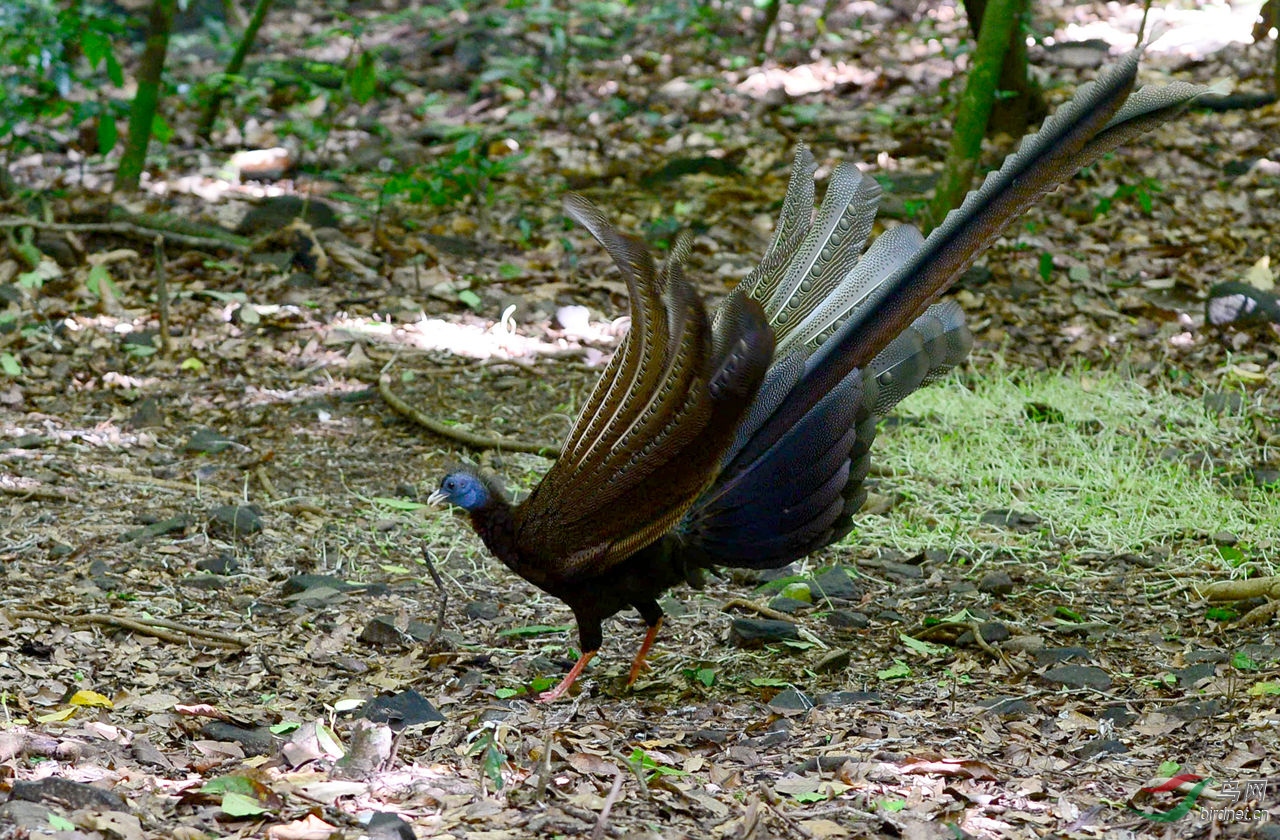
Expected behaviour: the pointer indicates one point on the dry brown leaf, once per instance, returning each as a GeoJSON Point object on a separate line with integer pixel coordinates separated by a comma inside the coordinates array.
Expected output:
{"type": "Point", "coordinates": [591, 764]}
{"type": "Point", "coordinates": [310, 827]}
{"type": "Point", "coordinates": [966, 768]}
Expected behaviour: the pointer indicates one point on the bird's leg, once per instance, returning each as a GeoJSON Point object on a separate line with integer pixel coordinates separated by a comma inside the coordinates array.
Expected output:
{"type": "Point", "coordinates": [590, 640]}
{"type": "Point", "coordinates": [558, 692]}
{"type": "Point", "coordinates": [652, 615]}
{"type": "Point", "coordinates": [637, 665]}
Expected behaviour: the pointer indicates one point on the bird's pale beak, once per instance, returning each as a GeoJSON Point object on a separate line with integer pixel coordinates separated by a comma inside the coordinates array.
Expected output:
{"type": "Point", "coordinates": [437, 498]}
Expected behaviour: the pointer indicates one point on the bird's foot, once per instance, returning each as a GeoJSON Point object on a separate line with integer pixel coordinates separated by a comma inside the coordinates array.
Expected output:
{"type": "Point", "coordinates": [560, 690]}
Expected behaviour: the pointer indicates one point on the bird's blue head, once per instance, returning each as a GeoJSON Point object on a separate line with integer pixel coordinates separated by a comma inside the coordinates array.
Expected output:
{"type": "Point", "coordinates": [464, 489]}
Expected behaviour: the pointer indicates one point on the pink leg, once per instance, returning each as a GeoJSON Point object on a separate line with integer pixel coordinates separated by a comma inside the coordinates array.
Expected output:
{"type": "Point", "coordinates": [558, 691]}
{"type": "Point", "coordinates": [637, 665]}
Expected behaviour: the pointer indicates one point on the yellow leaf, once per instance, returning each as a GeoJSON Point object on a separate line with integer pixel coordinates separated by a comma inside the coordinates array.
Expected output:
{"type": "Point", "coordinates": [91, 699]}
{"type": "Point", "coordinates": [59, 715]}
{"type": "Point", "coordinates": [1260, 275]}
{"type": "Point", "coordinates": [1247, 372]}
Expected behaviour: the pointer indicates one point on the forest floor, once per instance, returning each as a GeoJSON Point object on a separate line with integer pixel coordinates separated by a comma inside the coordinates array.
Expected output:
{"type": "Point", "coordinates": [212, 553]}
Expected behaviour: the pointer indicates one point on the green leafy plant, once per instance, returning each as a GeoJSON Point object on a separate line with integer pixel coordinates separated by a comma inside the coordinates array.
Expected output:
{"type": "Point", "coordinates": [648, 764]}
{"type": "Point", "coordinates": [362, 78]}
{"type": "Point", "coordinates": [706, 676]}
{"type": "Point", "coordinates": [899, 670]}
{"type": "Point", "coordinates": [99, 279]}
{"type": "Point", "coordinates": [1064, 613]}
{"type": "Point", "coordinates": [56, 61]}
{"type": "Point", "coordinates": [1231, 554]}
{"type": "Point", "coordinates": [465, 172]}
{"type": "Point", "coordinates": [1045, 266]}
{"type": "Point", "coordinates": [778, 584]}
{"type": "Point", "coordinates": [1243, 662]}
{"type": "Point", "coordinates": [491, 755]}
{"type": "Point", "coordinates": [241, 796]}
{"type": "Point", "coordinates": [922, 648]}
{"type": "Point", "coordinates": [913, 208]}
{"type": "Point", "coordinates": [1140, 192]}
{"type": "Point", "coordinates": [770, 682]}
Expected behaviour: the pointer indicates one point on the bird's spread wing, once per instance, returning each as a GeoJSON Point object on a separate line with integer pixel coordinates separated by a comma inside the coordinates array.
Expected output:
{"type": "Point", "coordinates": [655, 428]}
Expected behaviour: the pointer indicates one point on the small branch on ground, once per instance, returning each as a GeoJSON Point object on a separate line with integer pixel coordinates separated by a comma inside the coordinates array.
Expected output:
{"type": "Point", "coordinates": [168, 484]}
{"type": "Point", "coordinates": [1260, 615]}
{"type": "Point", "coordinates": [597, 833]}
{"type": "Point", "coordinates": [761, 609]}
{"type": "Point", "coordinates": [162, 298]}
{"type": "Point", "coordinates": [975, 627]}
{"type": "Point", "coordinates": [39, 493]}
{"type": "Point", "coordinates": [636, 770]}
{"type": "Point", "coordinates": [132, 230]}
{"type": "Point", "coordinates": [775, 804]}
{"type": "Point", "coordinates": [470, 439]}
{"type": "Point", "coordinates": [268, 487]}
{"type": "Point", "coordinates": [1240, 590]}
{"type": "Point", "coordinates": [429, 561]}
{"type": "Point", "coordinates": [163, 629]}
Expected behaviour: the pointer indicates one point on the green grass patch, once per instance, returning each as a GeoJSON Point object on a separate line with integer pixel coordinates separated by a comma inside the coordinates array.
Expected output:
{"type": "Point", "coordinates": [1107, 464]}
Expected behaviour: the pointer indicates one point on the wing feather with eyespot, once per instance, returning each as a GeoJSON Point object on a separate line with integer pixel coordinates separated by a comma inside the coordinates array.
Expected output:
{"type": "Point", "coordinates": [654, 429]}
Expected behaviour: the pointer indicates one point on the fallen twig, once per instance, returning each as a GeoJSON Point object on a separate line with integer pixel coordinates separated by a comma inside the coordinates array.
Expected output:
{"type": "Point", "coordinates": [129, 229]}
{"type": "Point", "coordinates": [767, 612]}
{"type": "Point", "coordinates": [597, 833]}
{"type": "Point", "coordinates": [168, 484]}
{"type": "Point", "coordinates": [169, 631]}
{"type": "Point", "coordinates": [162, 298]}
{"type": "Point", "coordinates": [636, 770]}
{"type": "Point", "coordinates": [444, 594]}
{"type": "Point", "coordinates": [40, 493]}
{"type": "Point", "coordinates": [462, 436]}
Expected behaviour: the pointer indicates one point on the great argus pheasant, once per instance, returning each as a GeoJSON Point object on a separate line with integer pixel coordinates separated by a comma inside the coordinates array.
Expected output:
{"type": "Point", "coordinates": [741, 438]}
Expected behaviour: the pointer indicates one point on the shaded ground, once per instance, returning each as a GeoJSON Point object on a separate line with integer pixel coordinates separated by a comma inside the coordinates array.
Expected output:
{"type": "Point", "coordinates": [1100, 669]}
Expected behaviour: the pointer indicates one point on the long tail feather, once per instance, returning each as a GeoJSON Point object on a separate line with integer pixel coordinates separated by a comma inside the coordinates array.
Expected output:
{"type": "Point", "coordinates": [1095, 121]}
{"type": "Point", "coordinates": [793, 226]}
{"type": "Point", "coordinates": [934, 343]}
{"type": "Point", "coordinates": [847, 354]}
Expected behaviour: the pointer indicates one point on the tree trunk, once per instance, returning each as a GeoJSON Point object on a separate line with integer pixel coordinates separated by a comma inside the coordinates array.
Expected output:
{"type": "Point", "coordinates": [234, 67]}
{"type": "Point", "coordinates": [974, 108]}
{"type": "Point", "coordinates": [143, 113]}
{"type": "Point", "coordinates": [1021, 102]}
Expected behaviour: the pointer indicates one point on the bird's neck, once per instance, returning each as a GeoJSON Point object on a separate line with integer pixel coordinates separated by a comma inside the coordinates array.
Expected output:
{"type": "Point", "coordinates": [495, 524]}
